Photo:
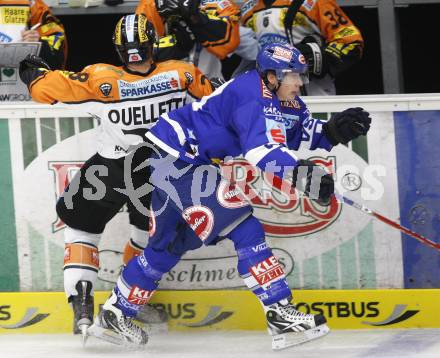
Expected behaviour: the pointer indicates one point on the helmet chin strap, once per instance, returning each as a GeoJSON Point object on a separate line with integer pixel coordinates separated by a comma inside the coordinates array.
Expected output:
{"type": "Point", "coordinates": [269, 85]}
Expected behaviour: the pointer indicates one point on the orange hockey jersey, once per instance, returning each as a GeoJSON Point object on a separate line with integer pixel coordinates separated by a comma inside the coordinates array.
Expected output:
{"type": "Point", "coordinates": [322, 20]}
{"type": "Point", "coordinates": [126, 103]}
{"type": "Point", "coordinates": [217, 33]}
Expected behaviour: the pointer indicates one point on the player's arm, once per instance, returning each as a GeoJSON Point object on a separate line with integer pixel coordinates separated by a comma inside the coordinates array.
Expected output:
{"type": "Point", "coordinates": [342, 44]}
{"type": "Point", "coordinates": [265, 147]}
{"type": "Point", "coordinates": [178, 41]}
{"type": "Point", "coordinates": [52, 34]}
{"type": "Point", "coordinates": [215, 24]}
{"type": "Point", "coordinates": [177, 44]}
{"type": "Point", "coordinates": [217, 27]}
{"type": "Point", "coordinates": [47, 86]}
{"type": "Point", "coordinates": [304, 131]}
{"type": "Point", "coordinates": [198, 85]}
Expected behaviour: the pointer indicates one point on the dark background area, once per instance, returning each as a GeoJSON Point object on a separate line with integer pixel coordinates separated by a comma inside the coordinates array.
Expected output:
{"type": "Point", "coordinates": [89, 39]}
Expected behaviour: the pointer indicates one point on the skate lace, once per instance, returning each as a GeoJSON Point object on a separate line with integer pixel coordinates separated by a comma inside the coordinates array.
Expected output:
{"type": "Point", "coordinates": [291, 312]}
{"type": "Point", "coordinates": [128, 326]}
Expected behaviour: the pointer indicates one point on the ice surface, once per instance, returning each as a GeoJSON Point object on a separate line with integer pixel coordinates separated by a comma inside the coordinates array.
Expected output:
{"type": "Point", "coordinates": [421, 343]}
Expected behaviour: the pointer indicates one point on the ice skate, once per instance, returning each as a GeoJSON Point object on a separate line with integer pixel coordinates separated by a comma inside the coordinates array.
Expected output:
{"type": "Point", "coordinates": [111, 325]}
{"type": "Point", "coordinates": [290, 327]}
{"type": "Point", "coordinates": [82, 305]}
{"type": "Point", "coordinates": [155, 318]}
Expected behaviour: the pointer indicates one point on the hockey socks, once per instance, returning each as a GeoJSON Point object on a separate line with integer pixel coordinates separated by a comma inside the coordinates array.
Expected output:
{"type": "Point", "coordinates": [140, 278]}
{"type": "Point", "coordinates": [259, 268]}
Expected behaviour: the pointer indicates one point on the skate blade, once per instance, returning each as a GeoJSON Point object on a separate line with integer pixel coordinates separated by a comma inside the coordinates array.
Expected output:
{"type": "Point", "coordinates": [281, 341]}
{"type": "Point", "coordinates": [111, 336]}
{"type": "Point", "coordinates": [84, 335]}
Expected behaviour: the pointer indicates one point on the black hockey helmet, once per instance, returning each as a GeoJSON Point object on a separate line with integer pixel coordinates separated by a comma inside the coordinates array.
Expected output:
{"type": "Point", "coordinates": [134, 38]}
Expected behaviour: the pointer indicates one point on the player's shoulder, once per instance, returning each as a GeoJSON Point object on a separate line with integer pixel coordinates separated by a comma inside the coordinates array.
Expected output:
{"type": "Point", "coordinates": [250, 86]}
{"type": "Point", "coordinates": [176, 65]}
{"type": "Point", "coordinates": [104, 71]}
{"type": "Point", "coordinates": [185, 71]}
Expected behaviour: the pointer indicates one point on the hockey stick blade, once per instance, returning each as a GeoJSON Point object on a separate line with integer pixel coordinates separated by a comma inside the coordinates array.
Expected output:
{"type": "Point", "coordinates": [387, 221]}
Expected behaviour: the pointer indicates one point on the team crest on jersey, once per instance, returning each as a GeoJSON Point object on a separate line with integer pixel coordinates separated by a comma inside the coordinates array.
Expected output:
{"type": "Point", "coordinates": [200, 219]}
{"type": "Point", "coordinates": [282, 54]}
{"type": "Point", "coordinates": [105, 88]}
{"type": "Point", "coordinates": [229, 196]}
{"type": "Point", "coordinates": [158, 84]}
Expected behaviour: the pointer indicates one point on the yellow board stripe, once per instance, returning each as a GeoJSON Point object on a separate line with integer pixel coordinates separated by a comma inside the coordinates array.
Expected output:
{"type": "Point", "coordinates": [48, 312]}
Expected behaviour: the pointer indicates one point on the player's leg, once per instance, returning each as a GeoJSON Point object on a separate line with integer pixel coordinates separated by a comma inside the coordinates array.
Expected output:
{"type": "Point", "coordinates": [134, 247]}
{"type": "Point", "coordinates": [85, 213]}
{"type": "Point", "coordinates": [264, 275]}
{"type": "Point", "coordinates": [187, 199]}
{"type": "Point", "coordinates": [139, 280]}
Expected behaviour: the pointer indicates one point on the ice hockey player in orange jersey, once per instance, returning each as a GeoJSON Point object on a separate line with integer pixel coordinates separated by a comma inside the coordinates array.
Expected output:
{"type": "Point", "coordinates": [127, 100]}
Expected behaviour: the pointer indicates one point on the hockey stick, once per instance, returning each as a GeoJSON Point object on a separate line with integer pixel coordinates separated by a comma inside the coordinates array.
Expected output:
{"type": "Point", "coordinates": [392, 223]}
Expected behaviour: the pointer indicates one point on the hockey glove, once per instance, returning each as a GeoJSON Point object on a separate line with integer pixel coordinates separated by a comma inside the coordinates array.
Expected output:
{"type": "Point", "coordinates": [183, 8]}
{"type": "Point", "coordinates": [216, 82]}
{"type": "Point", "coordinates": [185, 39]}
{"type": "Point", "coordinates": [309, 177]}
{"type": "Point", "coordinates": [31, 68]}
{"type": "Point", "coordinates": [313, 55]}
{"type": "Point", "coordinates": [347, 125]}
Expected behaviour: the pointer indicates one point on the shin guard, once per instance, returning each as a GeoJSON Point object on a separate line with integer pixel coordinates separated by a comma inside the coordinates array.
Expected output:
{"type": "Point", "coordinates": [257, 265]}
{"type": "Point", "coordinates": [140, 278]}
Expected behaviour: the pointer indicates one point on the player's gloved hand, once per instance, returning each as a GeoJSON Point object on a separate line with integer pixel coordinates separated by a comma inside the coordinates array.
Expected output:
{"type": "Point", "coordinates": [185, 38]}
{"type": "Point", "coordinates": [216, 82]}
{"type": "Point", "coordinates": [183, 8]}
{"type": "Point", "coordinates": [309, 177]}
{"type": "Point", "coordinates": [32, 67]}
{"type": "Point", "coordinates": [313, 55]}
{"type": "Point", "coordinates": [347, 125]}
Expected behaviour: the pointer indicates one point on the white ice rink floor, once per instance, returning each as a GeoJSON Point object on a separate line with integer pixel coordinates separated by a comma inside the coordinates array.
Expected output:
{"type": "Point", "coordinates": [420, 343]}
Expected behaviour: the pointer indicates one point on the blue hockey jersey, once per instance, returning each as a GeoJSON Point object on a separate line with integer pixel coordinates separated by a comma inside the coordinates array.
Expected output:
{"type": "Point", "coordinates": [241, 117]}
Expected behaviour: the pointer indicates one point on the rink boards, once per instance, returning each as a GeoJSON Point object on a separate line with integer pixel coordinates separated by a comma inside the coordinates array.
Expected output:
{"type": "Point", "coordinates": [391, 171]}
{"type": "Point", "coordinates": [46, 312]}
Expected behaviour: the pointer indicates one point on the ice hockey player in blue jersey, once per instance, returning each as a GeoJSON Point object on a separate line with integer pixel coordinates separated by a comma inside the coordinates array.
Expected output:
{"type": "Point", "coordinates": [260, 116]}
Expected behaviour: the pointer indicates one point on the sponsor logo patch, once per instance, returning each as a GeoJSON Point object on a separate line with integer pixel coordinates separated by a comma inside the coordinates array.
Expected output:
{"type": "Point", "coordinates": [200, 219]}
{"type": "Point", "coordinates": [229, 196]}
{"type": "Point", "coordinates": [282, 54]}
{"type": "Point", "coordinates": [139, 296]}
{"type": "Point", "coordinates": [161, 83]}
{"type": "Point", "coordinates": [267, 271]}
